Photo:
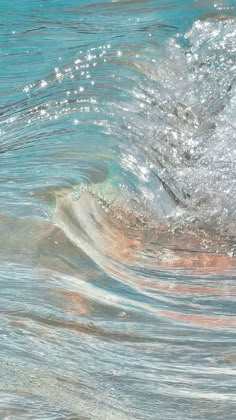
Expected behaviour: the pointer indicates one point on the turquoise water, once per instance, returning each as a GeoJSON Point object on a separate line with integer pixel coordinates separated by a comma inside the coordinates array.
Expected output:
{"type": "Point", "coordinates": [117, 220]}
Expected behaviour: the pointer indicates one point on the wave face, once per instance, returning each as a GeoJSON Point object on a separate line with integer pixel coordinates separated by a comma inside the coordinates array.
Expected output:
{"type": "Point", "coordinates": [117, 220]}
{"type": "Point", "coordinates": [186, 107]}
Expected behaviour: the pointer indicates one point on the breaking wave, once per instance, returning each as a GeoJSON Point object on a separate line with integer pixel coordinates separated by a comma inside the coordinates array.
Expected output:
{"type": "Point", "coordinates": [117, 221]}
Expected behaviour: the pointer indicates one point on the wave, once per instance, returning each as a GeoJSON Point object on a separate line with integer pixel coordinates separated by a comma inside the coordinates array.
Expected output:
{"type": "Point", "coordinates": [118, 222]}
{"type": "Point", "coordinates": [181, 153]}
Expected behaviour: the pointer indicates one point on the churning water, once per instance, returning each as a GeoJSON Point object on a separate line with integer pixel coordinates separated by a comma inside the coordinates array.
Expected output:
{"type": "Point", "coordinates": [117, 220]}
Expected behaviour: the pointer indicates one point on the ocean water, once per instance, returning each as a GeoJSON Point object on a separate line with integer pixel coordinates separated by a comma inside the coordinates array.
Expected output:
{"type": "Point", "coordinates": [117, 219]}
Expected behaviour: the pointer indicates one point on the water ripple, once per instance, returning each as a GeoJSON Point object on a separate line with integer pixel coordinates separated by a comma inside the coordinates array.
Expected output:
{"type": "Point", "coordinates": [117, 214]}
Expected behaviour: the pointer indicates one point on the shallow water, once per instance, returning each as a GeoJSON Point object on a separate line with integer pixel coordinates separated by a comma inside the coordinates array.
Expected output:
{"type": "Point", "coordinates": [117, 219]}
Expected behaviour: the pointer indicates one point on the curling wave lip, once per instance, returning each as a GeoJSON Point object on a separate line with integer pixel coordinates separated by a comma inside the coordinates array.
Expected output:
{"type": "Point", "coordinates": [120, 234]}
